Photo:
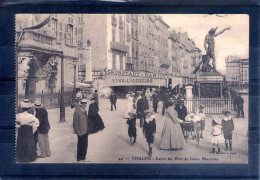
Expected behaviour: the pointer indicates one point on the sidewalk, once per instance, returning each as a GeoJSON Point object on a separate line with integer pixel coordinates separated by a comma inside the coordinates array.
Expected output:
{"type": "Point", "coordinates": [112, 144]}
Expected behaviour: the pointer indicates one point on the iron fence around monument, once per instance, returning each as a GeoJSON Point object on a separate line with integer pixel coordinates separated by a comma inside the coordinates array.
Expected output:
{"type": "Point", "coordinates": [211, 105]}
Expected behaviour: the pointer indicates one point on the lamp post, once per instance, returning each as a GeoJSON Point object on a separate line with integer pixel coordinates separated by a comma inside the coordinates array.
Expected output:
{"type": "Point", "coordinates": [62, 106]}
{"type": "Point", "coordinates": [75, 71]}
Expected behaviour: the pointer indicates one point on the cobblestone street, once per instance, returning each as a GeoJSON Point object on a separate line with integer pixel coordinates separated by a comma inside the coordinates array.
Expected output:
{"type": "Point", "coordinates": [112, 144]}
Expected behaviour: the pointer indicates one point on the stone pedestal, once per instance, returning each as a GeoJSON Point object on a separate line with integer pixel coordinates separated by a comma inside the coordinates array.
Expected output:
{"type": "Point", "coordinates": [210, 85]}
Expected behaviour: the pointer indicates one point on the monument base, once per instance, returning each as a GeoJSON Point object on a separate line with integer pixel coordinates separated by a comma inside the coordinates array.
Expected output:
{"type": "Point", "coordinates": [210, 85]}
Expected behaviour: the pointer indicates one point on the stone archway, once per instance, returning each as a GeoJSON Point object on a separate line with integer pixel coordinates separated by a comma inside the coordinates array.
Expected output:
{"type": "Point", "coordinates": [34, 67]}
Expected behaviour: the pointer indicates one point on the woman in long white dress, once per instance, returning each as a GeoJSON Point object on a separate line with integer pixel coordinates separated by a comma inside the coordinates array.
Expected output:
{"type": "Point", "coordinates": [172, 136]}
{"type": "Point", "coordinates": [129, 105]}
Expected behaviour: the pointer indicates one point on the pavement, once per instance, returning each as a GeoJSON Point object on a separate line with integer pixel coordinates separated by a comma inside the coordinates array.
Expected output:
{"type": "Point", "coordinates": [112, 144]}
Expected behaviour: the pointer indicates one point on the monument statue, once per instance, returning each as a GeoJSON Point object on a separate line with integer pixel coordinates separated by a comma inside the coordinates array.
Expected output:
{"type": "Point", "coordinates": [209, 45]}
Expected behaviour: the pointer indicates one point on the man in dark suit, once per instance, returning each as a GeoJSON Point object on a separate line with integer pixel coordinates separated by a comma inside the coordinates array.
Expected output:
{"type": "Point", "coordinates": [43, 130]}
{"type": "Point", "coordinates": [240, 106]}
{"type": "Point", "coordinates": [113, 100]}
{"type": "Point", "coordinates": [142, 105]}
{"type": "Point", "coordinates": [155, 101]}
{"type": "Point", "coordinates": [80, 125]}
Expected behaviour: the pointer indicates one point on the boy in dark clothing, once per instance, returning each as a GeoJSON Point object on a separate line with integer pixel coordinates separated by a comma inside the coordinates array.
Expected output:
{"type": "Point", "coordinates": [149, 129]}
{"type": "Point", "coordinates": [228, 128]}
{"type": "Point", "coordinates": [132, 127]}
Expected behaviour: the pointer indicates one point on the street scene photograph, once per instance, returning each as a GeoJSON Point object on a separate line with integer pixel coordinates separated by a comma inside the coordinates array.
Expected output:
{"type": "Point", "coordinates": [132, 88]}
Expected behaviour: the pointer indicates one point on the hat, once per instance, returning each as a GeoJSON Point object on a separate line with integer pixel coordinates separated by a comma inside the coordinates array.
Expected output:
{"type": "Point", "coordinates": [26, 104]}
{"type": "Point", "coordinates": [131, 113]}
{"type": "Point", "coordinates": [224, 111]}
{"type": "Point", "coordinates": [83, 101]}
{"type": "Point", "coordinates": [78, 95]}
{"type": "Point", "coordinates": [148, 111]}
{"type": "Point", "coordinates": [202, 106]}
{"type": "Point", "coordinates": [173, 100]}
{"type": "Point", "coordinates": [216, 119]}
{"type": "Point", "coordinates": [192, 114]}
{"type": "Point", "coordinates": [213, 30]}
{"type": "Point", "coordinates": [181, 100]}
{"type": "Point", "coordinates": [38, 104]}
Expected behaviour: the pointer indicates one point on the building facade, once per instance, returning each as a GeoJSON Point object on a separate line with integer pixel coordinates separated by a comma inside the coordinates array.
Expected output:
{"type": "Point", "coordinates": [237, 71]}
{"type": "Point", "coordinates": [42, 50]}
{"type": "Point", "coordinates": [184, 56]}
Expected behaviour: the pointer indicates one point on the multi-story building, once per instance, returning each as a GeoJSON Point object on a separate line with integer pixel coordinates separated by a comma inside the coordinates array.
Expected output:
{"type": "Point", "coordinates": [119, 52]}
{"type": "Point", "coordinates": [244, 71]}
{"type": "Point", "coordinates": [151, 44]}
{"type": "Point", "coordinates": [162, 45]}
{"type": "Point", "coordinates": [41, 52]}
{"type": "Point", "coordinates": [184, 56]}
{"type": "Point", "coordinates": [143, 27]}
{"type": "Point", "coordinates": [134, 41]}
{"type": "Point", "coordinates": [237, 71]}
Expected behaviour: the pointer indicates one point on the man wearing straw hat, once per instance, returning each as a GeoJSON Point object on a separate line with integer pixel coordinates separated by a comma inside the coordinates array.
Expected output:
{"type": "Point", "coordinates": [43, 129]}
{"type": "Point", "coordinates": [80, 125]}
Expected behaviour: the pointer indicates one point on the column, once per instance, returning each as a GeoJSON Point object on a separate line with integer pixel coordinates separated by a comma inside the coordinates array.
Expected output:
{"type": "Point", "coordinates": [189, 98]}
{"type": "Point", "coordinates": [88, 63]}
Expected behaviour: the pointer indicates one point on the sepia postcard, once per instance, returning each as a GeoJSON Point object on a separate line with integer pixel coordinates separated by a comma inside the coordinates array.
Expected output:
{"type": "Point", "coordinates": [132, 88]}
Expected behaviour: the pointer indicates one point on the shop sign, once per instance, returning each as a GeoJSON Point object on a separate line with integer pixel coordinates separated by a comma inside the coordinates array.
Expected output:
{"type": "Point", "coordinates": [135, 74]}
{"type": "Point", "coordinates": [115, 80]}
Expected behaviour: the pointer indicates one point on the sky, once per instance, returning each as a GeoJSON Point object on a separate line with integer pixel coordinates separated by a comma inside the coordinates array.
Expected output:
{"type": "Point", "coordinates": [233, 42]}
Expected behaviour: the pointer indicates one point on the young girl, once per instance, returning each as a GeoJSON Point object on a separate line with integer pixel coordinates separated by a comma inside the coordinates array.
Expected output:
{"type": "Point", "coordinates": [132, 128]}
{"type": "Point", "coordinates": [228, 127]}
{"type": "Point", "coordinates": [217, 138]}
{"type": "Point", "coordinates": [149, 129]}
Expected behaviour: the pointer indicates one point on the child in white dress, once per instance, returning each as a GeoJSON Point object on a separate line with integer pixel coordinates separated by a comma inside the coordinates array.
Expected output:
{"type": "Point", "coordinates": [216, 135]}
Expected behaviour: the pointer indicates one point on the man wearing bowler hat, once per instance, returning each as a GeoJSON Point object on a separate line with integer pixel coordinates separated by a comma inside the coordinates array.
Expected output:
{"type": "Point", "coordinates": [80, 125]}
{"type": "Point", "coordinates": [209, 44]}
{"type": "Point", "coordinates": [43, 129]}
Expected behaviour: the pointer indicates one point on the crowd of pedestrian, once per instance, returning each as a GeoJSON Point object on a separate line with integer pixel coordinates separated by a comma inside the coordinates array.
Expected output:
{"type": "Point", "coordinates": [33, 127]}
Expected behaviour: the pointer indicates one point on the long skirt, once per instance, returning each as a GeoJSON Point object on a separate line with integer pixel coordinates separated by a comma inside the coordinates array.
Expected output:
{"type": "Point", "coordinates": [172, 136]}
{"type": "Point", "coordinates": [95, 123]}
{"type": "Point", "coordinates": [26, 147]}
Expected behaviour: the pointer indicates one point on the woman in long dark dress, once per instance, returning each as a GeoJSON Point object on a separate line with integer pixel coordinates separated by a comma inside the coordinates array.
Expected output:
{"type": "Point", "coordinates": [95, 121]}
{"type": "Point", "coordinates": [26, 124]}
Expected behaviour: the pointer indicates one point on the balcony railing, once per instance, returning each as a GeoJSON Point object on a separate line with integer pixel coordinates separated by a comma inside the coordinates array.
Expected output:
{"type": "Point", "coordinates": [119, 47]}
